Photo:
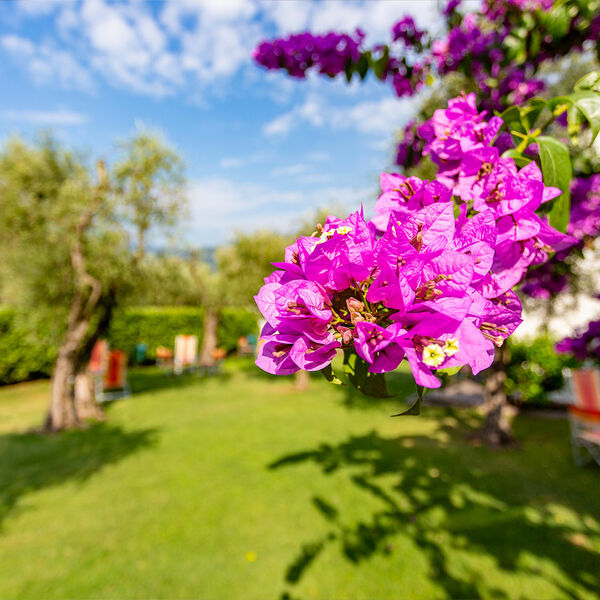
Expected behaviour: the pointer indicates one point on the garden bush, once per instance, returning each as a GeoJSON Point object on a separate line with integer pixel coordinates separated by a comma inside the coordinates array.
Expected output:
{"type": "Point", "coordinates": [24, 354]}
{"type": "Point", "coordinates": [235, 323]}
{"type": "Point", "coordinates": [535, 369]}
{"type": "Point", "coordinates": [154, 326]}
{"type": "Point", "coordinates": [27, 354]}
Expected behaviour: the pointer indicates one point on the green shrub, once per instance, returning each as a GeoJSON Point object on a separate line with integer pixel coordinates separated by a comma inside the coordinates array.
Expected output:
{"type": "Point", "coordinates": [27, 354]}
{"type": "Point", "coordinates": [235, 323]}
{"type": "Point", "coordinates": [24, 354]}
{"type": "Point", "coordinates": [154, 326]}
{"type": "Point", "coordinates": [535, 369]}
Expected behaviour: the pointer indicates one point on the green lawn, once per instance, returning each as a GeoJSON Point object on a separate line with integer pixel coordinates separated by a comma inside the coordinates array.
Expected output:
{"type": "Point", "coordinates": [243, 488]}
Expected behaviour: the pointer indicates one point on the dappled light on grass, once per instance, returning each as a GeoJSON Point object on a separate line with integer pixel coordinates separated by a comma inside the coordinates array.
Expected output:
{"type": "Point", "coordinates": [465, 509]}
{"type": "Point", "coordinates": [242, 486]}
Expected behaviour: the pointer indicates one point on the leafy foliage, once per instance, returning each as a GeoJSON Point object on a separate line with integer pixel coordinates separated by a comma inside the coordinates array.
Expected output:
{"type": "Point", "coordinates": [535, 369]}
{"type": "Point", "coordinates": [24, 354]}
{"type": "Point", "coordinates": [28, 350]}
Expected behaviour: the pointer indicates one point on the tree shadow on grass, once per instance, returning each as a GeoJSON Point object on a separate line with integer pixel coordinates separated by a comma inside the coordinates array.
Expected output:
{"type": "Point", "coordinates": [247, 366]}
{"type": "Point", "coordinates": [513, 509]}
{"type": "Point", "coordinates": [31, 462]}
{"type": "Point", "coordinates": [150, 379]}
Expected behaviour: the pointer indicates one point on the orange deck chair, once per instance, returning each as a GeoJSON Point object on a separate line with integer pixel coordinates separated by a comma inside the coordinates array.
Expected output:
{"type": "Point", "coordinates": [114, 382]}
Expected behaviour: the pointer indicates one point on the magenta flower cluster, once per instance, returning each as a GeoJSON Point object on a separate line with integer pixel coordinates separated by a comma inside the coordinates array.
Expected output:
{"type": "Point", "coordinates": [585, 345]}
{"type": "Point", "coordinates": [555, 276]}
{"type": "Point", "coordinates": [499, 8]}
{"type": "Point", "coordinates": [459, 140]}
{"type": "Point", "coordinates": [406, 31]}
{"type": "Point", "coordinates": [417, 282]}
{"type": "Point", "coordinates": [328, 53]}
{"type": "Point", "coordinates": [480, 45]}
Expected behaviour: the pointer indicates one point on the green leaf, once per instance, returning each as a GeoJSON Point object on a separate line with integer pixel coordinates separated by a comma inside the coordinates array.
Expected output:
{"type": "Point", "coordinates": [558, 172]}
{"type": "Point", "coordinates": [519, 159]}
{"type": "Point", "coordinates": [535, 43]}
{"type": "Point", "coordinates": [510, 116]}
{"type": "Point", "coordinates": [532, 111]}
{"type": "Point", "coordinates": [449, 371]}
{"type": "Point", "coordinates": [588, 103]}
{"type": "Point", "coordinates": [331, 376]}
{"type": "Point", "coordinates": [514, 46]}
{"type": "Point", "coordinates": [415, 408]}
{"type": "Point", "coordinates": [557, 21]}
{"type": "Point", "coordinates": [349, 70]}
{"type": "Point", "coordinates": [380, 65]}
{"type": "Point", "coordinates": [559, 101]}
{"type": "Point", "coordinates": [591, 81]}
{"type": "Point", "coordinates": [362, 66]}
{"type": "Point", "coordinates": [370, 384]}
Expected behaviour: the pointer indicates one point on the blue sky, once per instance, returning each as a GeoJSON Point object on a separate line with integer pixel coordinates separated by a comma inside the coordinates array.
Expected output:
{"type": "Point", "coordinates": [261, 150]}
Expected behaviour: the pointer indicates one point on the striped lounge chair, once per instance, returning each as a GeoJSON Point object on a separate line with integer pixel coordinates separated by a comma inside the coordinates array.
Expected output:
{"type": "Point", "coordinates": [584, 416]}
{"type": "Point", "coordinates": [186, 353]}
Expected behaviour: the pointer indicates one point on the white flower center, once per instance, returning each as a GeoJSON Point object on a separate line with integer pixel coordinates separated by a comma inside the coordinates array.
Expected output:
{"type": "Point", "coordinates": [433, 355]}
{"type": "Point", "coordinates": [450, 347]}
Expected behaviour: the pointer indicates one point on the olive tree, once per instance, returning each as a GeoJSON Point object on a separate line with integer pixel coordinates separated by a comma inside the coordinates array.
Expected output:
{"type": "Point", "coordinates": [65, 240]}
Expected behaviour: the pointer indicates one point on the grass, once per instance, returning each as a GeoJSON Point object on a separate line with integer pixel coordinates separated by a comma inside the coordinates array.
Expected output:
{"type": "Point", "coordinates": [243, 487]}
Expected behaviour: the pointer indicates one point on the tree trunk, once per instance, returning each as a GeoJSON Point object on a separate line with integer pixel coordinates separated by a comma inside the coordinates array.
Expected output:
{"type": "Point", "coordinates": [86, 406]}
{"type": "Point", "coordinates": [496, 429]}
{"type": "Point", "coordinates": [72, 399]}
{"type": "Point", "coordinates": [301, 380]}
{"type": "Point", "coordinates": [61, 413]}
{"type": "Point", "coordinates": [141, 247]}
{"type": "Point", "coordinates": [209, 340]}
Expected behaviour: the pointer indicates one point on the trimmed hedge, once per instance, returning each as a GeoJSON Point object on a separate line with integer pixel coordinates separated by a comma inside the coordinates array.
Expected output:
{"type": "Point", "coordinates": [235, 323]}
{"type": "Point", "coordinates": [158, 326]}
{"type": "Point", "coordinates": [23, 354]}
{"type": "Point", "coordinates": [153, 326]}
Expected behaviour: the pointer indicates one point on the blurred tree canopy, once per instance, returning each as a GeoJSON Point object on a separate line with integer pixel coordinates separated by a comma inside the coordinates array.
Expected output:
{"type": "Point", "coordinates": [65, 239]}
{"type": "Point", "coordinates": [149, 179]}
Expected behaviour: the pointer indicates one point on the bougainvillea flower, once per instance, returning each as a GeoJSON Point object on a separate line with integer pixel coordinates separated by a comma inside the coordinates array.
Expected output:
{"type": "Point", "coordinates": [274, 352]}
{"type": "Point", "coordinates": [342, 253]}
{"type": "Point", "coordinates": [296, 306]}
{"type": "Point", "coordinates": [392, 288]}
{"type": "Point", "coordinates": [312, 356]}
{"type": "Point", "coordinates": [434, 287]}
{"type": "Point", "coordinates": [379, 346]}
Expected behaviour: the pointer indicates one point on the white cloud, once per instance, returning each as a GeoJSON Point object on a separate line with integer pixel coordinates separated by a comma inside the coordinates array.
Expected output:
{"type": "Point", "coordinates": [231, 162]}
{"type": "Point", "coordinates": [220, 206]}
{"type": "Point", "coordinates": [40, 8]}
{"type": "Point", "coordinates": [209, 12]}
{"type": "Point", "coordinates": [297, 169]}
{"type": "Point", "coordinates": [47, 64]}
{"type": "Point", "coordinates": [378, 117]}
{"type": "Point", "coordinates": [279, 126]}
{"type": "Point", "coordinates": [292, 15]}
{"type": "Point", "coordinates": [372, 16]}
{"type": "Point", "coordinates": [184, 45]}
{"type": "Point", "coordinates": [45, 117]}
{"type": "Point", "coordinates": [128, 47]}
{"type": "Point", "coordinates": [17, 45]}
{"type": "Point", "coordinates": [236, 162]}
{"type": "Point", "coordinates": [318, 156]}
